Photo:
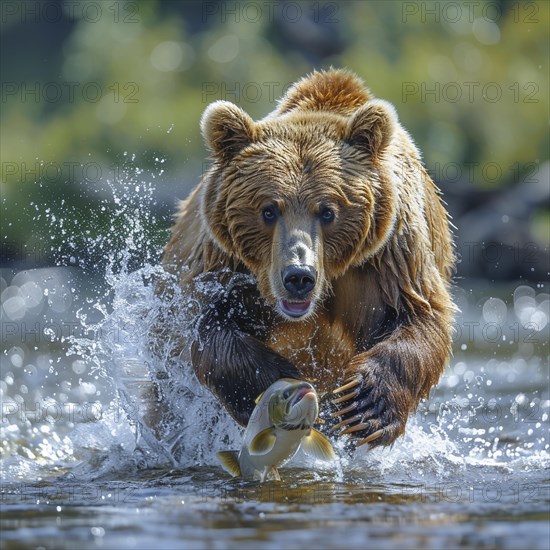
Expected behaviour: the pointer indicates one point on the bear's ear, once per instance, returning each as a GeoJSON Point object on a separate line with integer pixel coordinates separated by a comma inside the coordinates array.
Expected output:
{"type": "Point", "coordinates": [372, 126]}
{"type": "Point", "coordinates": [226, 129]}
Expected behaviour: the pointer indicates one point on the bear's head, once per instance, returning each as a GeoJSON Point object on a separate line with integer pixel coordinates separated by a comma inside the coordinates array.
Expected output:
{"type": "Point", "coordinates": [301, 197]}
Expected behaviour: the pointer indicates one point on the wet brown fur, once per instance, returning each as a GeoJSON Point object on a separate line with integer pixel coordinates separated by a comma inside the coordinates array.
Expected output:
{"type": "Point", "coordinates": [383, 309]}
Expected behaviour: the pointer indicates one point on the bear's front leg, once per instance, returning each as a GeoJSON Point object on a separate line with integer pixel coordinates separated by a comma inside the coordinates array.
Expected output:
{"type": "Point", "coordinates": [387, 382]}
{"type": "Point", "coordinates": [229, 357]}
{"type": "Point", "coordinates": [237, 368]}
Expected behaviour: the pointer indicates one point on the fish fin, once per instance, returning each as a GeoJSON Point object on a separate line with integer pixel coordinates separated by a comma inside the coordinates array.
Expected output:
{"type": "Point", "coordinates": [270, 470]}
{"type": "Point", "coordinates": [263, 442]}
{"type": "Point", "coordinates": [318, 446]}
{"type": "Point", "coordinates": [230, 462]}
{"type": "Point", "coordinates": [257, 400]}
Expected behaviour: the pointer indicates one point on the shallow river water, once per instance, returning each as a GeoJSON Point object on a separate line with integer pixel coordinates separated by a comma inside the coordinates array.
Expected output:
{"type": "Point", "coordinates": [81, 469]}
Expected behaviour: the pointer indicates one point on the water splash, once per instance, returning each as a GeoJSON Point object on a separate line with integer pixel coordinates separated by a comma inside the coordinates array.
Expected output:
{"type": "Point", "coordinates": [121, 345]}
{"type": "Point", "coordinates": [93, 395]}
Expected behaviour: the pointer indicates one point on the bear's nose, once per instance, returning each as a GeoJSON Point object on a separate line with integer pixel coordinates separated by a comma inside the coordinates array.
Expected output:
{"type": "Point", "coordinates": [299, 280]}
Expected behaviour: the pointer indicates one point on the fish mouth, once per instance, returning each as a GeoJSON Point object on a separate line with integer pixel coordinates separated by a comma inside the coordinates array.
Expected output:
{"type": "Point", "coordinates": [305, 392]}
{"type": "Point", "coordinates": [295, 310]}
{"type": "Point", "coordinates": [304, 408]}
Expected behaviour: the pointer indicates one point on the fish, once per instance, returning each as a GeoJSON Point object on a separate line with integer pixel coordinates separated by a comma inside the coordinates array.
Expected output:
{"type": "Point", "coordinates": [281, 422]}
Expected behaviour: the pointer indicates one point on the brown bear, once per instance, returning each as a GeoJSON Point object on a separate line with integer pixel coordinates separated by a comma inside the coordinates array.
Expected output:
{"type": "Point", "coordinates": [329, 253]}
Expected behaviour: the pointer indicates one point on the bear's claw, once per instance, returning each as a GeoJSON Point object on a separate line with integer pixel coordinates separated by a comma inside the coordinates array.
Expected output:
{"type": "Point", "coordinates": [350, 395]}
{"type": "Point", "coordinates": [355, 428]}
{"type": "Point", "coordinates": [348, 409]}
{"type": "Point", "coordinates": [346, 422]}
{"type": "Point", "coordinates": [367, 416]}
{"type": "Point", "coordinates": [355, 381]}
{"type": "Point", "coordinates": [370, 438]}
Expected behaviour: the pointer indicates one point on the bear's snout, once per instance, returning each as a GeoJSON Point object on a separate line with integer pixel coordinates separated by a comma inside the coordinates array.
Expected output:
{"type": "Point", "coordinates": [299, 281]}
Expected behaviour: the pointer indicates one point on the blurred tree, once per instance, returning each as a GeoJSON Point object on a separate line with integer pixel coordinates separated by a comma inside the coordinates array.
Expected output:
{"type": "Point", "coordinates": [82, 89]}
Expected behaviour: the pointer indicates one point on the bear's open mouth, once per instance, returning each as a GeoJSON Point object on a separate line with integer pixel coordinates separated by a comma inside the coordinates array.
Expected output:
{"type": "Point", "coordinates": [294, 309]}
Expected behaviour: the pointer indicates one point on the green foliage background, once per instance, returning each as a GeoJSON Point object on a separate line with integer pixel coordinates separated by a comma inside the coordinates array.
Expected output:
{"type": "Point", "coordinates": [159, 63]}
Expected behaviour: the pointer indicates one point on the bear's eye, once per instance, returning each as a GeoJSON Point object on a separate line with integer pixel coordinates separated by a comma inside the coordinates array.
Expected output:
{"type": "Point", "coordinates": [326, 214]}
{"type": "Point", "coordinates": [269, 214]}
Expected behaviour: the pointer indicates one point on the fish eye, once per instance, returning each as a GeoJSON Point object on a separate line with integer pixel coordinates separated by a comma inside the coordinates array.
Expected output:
{"type": "Point", "coordinates": [269, 214]}
{"type": "Point", "coordinates": [326, 214]}
{"type": "Point", "coordinates": [286, 394]}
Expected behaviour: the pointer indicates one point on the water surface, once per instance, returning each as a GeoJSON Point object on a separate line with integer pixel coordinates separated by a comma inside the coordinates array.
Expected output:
{"type": "Point", "coordinates": [82, 469]}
